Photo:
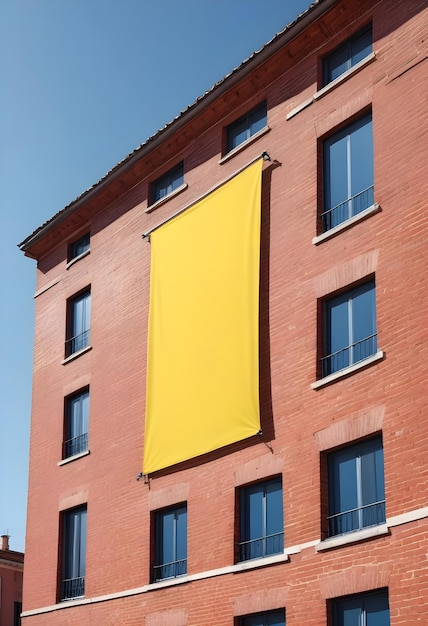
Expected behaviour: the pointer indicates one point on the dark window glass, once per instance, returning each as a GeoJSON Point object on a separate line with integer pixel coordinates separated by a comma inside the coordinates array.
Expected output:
{"type": "Point", "coordinates": [350, 328]}
{"type": "Point", "coordinates": [77, 418]}
{"type": "Point", "coordinates": [167, 183]}
{"type": "Point", "coordinates": [348, 173]}
{"type": "Point", "coordinates": [268, 618]}
{"type": "Point", "coordinates": [79, 320]}
{"type": "Point", "coordinates": [348, 54]}
{"type": "Point", "coordinates": [369, 609]}
{"type": "Point", "coordinates": [356, 488]}
{"type": "Point", "coordinates": [17, 610]}
{"type": "Point", "coordinates": [74, 554]}
{"type": "Point", "coordinates": [246, 126]}
{"type": "Point", "coordinates": [170, 543]}
{"type": "Point", "coordinates": [261, 520]}
{"type": "Point", "coordinates": [79, 246]}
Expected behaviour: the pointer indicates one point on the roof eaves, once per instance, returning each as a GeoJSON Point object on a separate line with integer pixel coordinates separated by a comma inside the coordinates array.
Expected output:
{"type": "Point", "coordinates": [289, 32]}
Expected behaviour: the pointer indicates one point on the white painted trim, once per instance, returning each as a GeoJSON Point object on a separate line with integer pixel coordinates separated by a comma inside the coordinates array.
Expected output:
{"type": "Point", "coordinates": [347, 370]}
{"type": "Point", "coordinates": [371, 210]}
{"type": "Point", "coordinates": [410, 516]}
{"type": "Point", "coordinates": [244, 144]}
{"type": "Point", "coordinates": [161, 201]}
{"type": "Point", "coordinates": [75, 355]}
{"type": "Point", "coordinates": [372, 531]}
{"type": "Point", "coordinates": [302, 546]}
{"type": "Point", "coordinates": [299, 108]}
{"type": "Point", "coordinates": [73, 458]}
{"type": "Point", "coordinates": [172, 582]}
{"type": "Point", "coordinates": [77, 258]}
{"type": "Point", "coordinates": [397, 520]}
{"type": "Point", "coordinates": [352, 537]}
{"type": "Point", "coordinates": [340, 79]}
{"type": "Point", "coordinates": [47, 287]}
{"type": "Point", "coordinates": [255, 563]}
{"type": "Point", "coordinates": [334, 83]}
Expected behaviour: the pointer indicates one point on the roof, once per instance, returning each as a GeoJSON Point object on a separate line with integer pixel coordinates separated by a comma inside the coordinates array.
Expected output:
{"type": "Point", "coordinates": [291, 30]}
{"type": "Point", "coordinates": [11, 557]}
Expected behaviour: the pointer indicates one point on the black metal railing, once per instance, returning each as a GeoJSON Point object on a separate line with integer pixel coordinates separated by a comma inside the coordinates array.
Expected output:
{"type": "Point", "coordinates": [350, 355]}
{"type": "Point", "coordinates": [72, 588]}
{"type": "Point", "coordinates": [356, 519]}
{"type": "Point", "coordinates": [347, 209]}
{"type": "Point", "coordinates": [170, 570]}
{"type": "Point", "coordinates": [76, 343]}
{"type": "Point", "coordinates": [263, 546]}
{"type": "Point", "coordinates": [76, 445]}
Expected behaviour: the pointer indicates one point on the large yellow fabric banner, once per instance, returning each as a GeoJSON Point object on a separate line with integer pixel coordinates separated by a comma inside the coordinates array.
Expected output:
{"type": "Point", "coordinates": [203, 344]}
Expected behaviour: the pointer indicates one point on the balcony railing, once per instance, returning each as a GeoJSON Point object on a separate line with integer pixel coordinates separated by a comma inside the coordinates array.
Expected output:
{"type": "Point", "coordinates": [72, 588]}
{"type": "Point", "coordinates": [347, 209]}
{"type": "Point", "coordinates": [76, 343]}
{"type": "Point", "coordinates": [263, 546]}
{"type": "Point", "coordinates": [169, 570]}
{"type": "Point", "coordinates": [76, 445]}
{"type": "Point", "coordinates": [356, 519]}
{"type": "Point", "coordinates": [350, 355]}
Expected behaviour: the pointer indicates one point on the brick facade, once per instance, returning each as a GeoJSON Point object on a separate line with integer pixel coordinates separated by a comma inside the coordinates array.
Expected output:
{"type": "Point", "coordinates": [11, 574]}
{"type": "Point", "coordinates": [302, 420]}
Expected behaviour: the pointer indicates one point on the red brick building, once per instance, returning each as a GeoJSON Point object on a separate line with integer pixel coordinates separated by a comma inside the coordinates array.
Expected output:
{"type": "Point", "coordinates": [322, 518]}
{"type": "Point", "coordinates": [11, 573]}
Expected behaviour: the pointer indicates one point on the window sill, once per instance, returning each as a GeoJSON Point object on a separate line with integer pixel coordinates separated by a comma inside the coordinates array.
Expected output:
{"type": "Point", "coordinates": [371, 210]}
{"type": "Point", "coordinates": [243, 566]}
{"type": "Point", "coordinates": [397, 520]}
{"type": "Point", "coordinates": [352, 537]}
{"type": "Point", "coordinates": [77, 258]}
{"type": "Point", "coordinates": [70, 459]}
{"type": "Point", "coordinates": [230, 569]}
{"type": "Point", "coordinates": [76, 355]}
{"type": "Point", "coordinates": [338, 81]}
{"type": "Point", "coordinates": [244, 144]}
{"type": "Point", "coordinates": [343, 77]}
{"type": "Point", "coordinates": [322, 382]}
{"type": "Point", "coordinates": [162, 201]}
{"type": "Point", "coordinates": [71, 600]}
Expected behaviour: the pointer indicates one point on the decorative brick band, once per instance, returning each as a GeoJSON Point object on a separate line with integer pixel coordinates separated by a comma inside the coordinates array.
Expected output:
{"type": "Point", "coordinates": [262, 467]}
{"type": "Point", "coordinates": [168, 496]}
{"type": "Point", "coordinates": [351, 107]}
{"type": "Point", "coordinates": [264, 600]}
{"type": "Point", "coordinates": [346, 274]}
{"type": "Point", "coordinates": [355, 580]}
{"type": "Point", "coordinates": [76, 499]}
{"type": "Point", "coordinates": [172, 617]}
{"type": "Point", "coordinates": [354, 427]}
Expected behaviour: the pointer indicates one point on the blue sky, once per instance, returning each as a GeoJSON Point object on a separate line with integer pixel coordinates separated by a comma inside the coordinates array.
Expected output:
{"type": "Point", "coordinates": [82, 84]}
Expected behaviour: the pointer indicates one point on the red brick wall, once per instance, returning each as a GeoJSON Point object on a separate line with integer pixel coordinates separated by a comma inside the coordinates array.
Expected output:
{"type": "Point", "coordinates": [295, 274]}
{"type": "Point", "coordinates": [10, 588]}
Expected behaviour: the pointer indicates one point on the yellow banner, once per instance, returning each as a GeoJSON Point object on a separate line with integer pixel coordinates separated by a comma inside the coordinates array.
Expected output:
{"type": "Point", "coordinates": [203, 345]}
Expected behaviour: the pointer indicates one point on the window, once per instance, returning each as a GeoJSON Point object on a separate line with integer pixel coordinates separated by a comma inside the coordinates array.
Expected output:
{"type": "Point", "coordinates": [349, 328]}
{"type": "Point", "coordinates": [76, 424]}
{"type": "Point", "coordinates": [356, 488]}
{"type": "Point", "coordinates": [79, 247]}
{"type": "Point", "coordinates": [17, 610]}
{"type": "Point", "coordinates": [261, 520]}
{"type": "Point", "coordinates": [167, 183]}
{"type": "Point", "coordinates": [268, 618]}
{"type": "Point", "coordinates": [348, 54]}
{"type": "Point", "coordinates": [74, 554]}
{"type": "Point", "coordinates": [170, 543]}
{"type": "Point", "coordinates": [348, 173]}
{"type": "Point", "coordinates": [79, 310]}
{"type": "Point", "coordinates": [368, 609]}
{"type": "Point", "coordinates": [246, 126]}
